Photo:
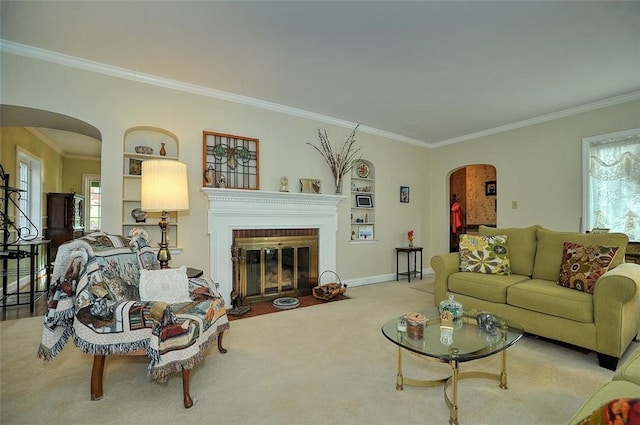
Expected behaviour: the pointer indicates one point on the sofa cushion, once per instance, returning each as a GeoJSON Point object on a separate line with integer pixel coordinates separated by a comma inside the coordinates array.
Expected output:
{"type": "Point", "coordinates": [168, 285]}
{"type": "Point", "coordinates": [484, 254]}
{"type": "Point", "coordinates": [551, 243]}
{"type": "Point", "coordinates": [582, 265]}
{"type": "Point", "coordinates": [486, 287]}
{"type": "Point", "coordinates": [548, 298]}
{"type": "Point", "coordinates": [630, 370]}
{"type": "Point", "coordinates": [522, 246]}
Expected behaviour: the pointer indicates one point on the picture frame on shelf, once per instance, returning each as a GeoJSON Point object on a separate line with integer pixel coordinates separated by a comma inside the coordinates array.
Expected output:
{"type": "Point", "coordinates": [365, 232]}
{"type": "Point", "coordinates": [490, 188]}
{"type": "Point", "coordinates": [364, 201]}
{"type": "Point", "coordinates": [310, 186]}
{"type": "Point", "coordinates": [404, 194]}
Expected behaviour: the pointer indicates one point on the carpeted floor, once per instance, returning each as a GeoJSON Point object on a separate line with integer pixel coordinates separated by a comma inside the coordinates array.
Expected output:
{"type": "Point", "coordinates": [323, 364]}
{"type": "Point", "coordinates": [424, 285]}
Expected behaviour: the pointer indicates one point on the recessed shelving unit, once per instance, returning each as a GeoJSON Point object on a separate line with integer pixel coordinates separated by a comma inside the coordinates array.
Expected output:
{"type": "Point", "coordinates": [363, 202]}
{"type": "Point", "coordinates": [155, 139]}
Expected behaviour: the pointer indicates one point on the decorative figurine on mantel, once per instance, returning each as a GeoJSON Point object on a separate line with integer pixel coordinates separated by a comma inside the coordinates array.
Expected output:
{"type": "Point", "coordinates": [284, 184]}
{"type": "Point", "coordinates": [340, 162]}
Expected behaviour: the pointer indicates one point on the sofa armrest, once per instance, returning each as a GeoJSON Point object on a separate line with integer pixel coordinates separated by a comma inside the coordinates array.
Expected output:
{"type": "Point", "coordinates": [616, 308]}
{"type": "Point", "coordinates": [444, 265]}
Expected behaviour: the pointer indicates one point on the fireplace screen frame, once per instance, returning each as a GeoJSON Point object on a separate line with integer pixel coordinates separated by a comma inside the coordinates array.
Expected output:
{"type": "Point", "coordinates": [257, 253]}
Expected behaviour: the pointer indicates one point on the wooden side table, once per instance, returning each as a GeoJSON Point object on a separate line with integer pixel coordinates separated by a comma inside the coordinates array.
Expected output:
{"type": "Point", "coordinates": [409, 272]}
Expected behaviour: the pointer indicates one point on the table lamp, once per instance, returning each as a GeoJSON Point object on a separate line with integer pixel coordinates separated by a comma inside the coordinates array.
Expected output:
{"type": "Point", "coordinates": [164, 188]}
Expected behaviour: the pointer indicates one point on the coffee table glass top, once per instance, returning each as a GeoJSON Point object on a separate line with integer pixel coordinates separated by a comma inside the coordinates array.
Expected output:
{"type": "Point", "coordinates": [469, 341]}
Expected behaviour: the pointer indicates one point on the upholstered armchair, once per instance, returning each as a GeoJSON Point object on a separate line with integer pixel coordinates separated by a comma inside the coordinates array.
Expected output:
{"type": "Point", "coordinates": [109, 294]}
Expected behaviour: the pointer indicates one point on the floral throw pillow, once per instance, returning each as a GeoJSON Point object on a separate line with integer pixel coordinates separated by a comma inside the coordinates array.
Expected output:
{"type": "Point", "coordinates": [618, 411]}
{"type": "Point", "coordinates": [582, 265]}
{"type": "Point", "coordinates": [484, 254]}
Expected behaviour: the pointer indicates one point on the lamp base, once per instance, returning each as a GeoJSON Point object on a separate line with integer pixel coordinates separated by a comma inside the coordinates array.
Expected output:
{"type": "Point", "coordinates": [164, 255]}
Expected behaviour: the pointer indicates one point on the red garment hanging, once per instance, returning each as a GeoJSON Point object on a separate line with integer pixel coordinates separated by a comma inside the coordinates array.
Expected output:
{"type": "Point", "coordinates": [456, 218]}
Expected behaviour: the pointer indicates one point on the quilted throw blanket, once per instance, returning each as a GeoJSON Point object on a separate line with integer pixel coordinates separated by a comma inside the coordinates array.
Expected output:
{"type": "Point", "coordinates": [94, 299]}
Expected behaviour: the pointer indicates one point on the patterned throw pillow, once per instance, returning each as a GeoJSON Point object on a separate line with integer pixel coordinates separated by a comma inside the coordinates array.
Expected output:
{"type": "Point", "coordinates": [484, 254]}
{"type": "Point", "coordinates": [582, 265]}
{"type": "Point", "coordinates": [618, 411]}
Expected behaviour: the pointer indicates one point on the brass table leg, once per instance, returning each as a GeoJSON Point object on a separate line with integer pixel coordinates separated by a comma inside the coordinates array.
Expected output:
{"type": "Point", "coordinates": [399, 380]}
{"type": "Point", "coordinates": [503, 374]}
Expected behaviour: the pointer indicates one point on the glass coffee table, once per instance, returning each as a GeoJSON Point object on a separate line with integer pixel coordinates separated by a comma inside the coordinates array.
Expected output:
{"type": "Point", "coordinates": [466, 341]}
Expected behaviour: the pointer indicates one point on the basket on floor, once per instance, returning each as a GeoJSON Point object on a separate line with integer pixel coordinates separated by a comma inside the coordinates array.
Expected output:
{"type": "Point", "coordinates": [328, 290]}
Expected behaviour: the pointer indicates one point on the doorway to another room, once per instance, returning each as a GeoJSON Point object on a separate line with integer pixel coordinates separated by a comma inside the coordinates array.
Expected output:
{"type": "Point", "coordinates": [473, 194]}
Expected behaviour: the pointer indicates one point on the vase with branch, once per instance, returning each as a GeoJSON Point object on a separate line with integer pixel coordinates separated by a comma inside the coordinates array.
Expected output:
{"type": "Point", "coordinates": [340, 160]}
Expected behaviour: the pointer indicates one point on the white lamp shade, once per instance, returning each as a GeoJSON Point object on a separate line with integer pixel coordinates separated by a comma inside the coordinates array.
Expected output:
{"type": "Point", "coordinates": [164, 186]}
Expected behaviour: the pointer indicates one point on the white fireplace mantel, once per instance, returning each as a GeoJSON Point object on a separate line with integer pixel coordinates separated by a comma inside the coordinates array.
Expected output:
{"type": "Point", "coordinates": [235, 209]}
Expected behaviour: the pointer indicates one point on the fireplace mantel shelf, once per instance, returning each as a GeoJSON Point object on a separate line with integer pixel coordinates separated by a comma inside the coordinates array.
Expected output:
{"type": "Point", "coordinates": [264, 196]}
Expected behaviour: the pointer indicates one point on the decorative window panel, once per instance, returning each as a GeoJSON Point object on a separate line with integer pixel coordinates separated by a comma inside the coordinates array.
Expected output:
{"type": "Point", "coordinates": [230, 161]}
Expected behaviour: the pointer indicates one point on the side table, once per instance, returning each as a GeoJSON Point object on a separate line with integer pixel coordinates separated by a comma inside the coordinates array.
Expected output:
{"type": "Point", "coordinates": [409, 272]}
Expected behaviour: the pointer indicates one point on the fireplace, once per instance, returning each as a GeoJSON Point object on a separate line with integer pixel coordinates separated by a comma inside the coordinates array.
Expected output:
{"type": "Point", "coordinates": [235, 209]}
{"type": "Point", "coordinates": [273, 263]}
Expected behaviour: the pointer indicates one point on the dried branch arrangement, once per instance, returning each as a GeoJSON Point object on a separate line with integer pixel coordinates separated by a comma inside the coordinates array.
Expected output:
{"type": "Point", "coordinates": [340, 161]}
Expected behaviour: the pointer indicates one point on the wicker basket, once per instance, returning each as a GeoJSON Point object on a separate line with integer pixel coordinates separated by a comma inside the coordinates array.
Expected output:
{"type": "Point", "coordinates": [329, 290]}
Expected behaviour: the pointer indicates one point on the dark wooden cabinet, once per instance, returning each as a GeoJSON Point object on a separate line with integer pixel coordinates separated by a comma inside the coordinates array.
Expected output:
{"type": "Point", "coordinates": [65, 218]}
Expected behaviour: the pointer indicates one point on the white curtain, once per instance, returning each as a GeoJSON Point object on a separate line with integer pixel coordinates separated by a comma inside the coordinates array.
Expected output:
{"type": "Point", "coordinates": [614, 183]}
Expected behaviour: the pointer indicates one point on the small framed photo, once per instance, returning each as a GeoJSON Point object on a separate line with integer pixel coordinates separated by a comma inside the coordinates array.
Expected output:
{"type": "Point", "coordinates": [364, 201]}
{"type": "Point", "coordinates": [310, 186]}
{"type": "Point", "coordinates": [365, 232]}
{"type": "Point", "coordinates": [404, 194]}
{"type": "Point", "coordinates": [490, 188]}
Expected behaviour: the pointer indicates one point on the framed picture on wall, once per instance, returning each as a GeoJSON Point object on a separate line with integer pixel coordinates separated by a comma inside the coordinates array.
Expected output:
{"type": "Point", "coordinates": [404, 194]}
{"type": "Point", "coordinates": [490, 188]}
{"type": "Point", "coordinates": [230, 161]}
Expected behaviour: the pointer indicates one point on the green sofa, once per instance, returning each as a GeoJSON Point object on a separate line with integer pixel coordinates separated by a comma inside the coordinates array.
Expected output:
{"type": "Point", "coordinates": [605, 321]}
{"type": "Point", "coordinates": [625, 383]}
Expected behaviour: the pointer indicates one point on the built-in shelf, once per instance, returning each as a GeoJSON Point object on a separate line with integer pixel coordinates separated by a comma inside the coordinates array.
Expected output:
{"type": "Point", "coordinates": [155, 139]}
{"type": "Point", "coordinates": [363, 202]}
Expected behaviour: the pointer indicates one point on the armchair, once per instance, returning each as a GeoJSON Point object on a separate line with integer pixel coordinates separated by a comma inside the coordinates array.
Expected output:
{"type": "Point", "coordinates": [95, 299]}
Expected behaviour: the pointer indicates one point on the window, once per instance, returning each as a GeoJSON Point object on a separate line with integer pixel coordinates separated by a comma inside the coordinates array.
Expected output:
{"type": "Point", "coordinates": [611, 182]}
{"type": "Point", "coordinates": [29, 212]}
{"type": "Point", "coordinates": [93, 208]}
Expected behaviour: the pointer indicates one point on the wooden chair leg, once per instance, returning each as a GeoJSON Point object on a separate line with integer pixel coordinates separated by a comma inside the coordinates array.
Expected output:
{"type": "Point", "coordinates": [186, 377]}
{"type": "Point", "coordinates": [220, 348]}
{"type": "Point", "coordinates": [96, 377]}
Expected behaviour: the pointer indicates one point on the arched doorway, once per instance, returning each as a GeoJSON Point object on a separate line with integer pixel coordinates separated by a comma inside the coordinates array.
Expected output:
{"type": "Point", "coordinates": [473, 200]}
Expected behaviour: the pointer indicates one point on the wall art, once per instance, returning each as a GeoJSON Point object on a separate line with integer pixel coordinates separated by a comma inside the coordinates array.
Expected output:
{"type": "Point", "coordinates": [230, 161]}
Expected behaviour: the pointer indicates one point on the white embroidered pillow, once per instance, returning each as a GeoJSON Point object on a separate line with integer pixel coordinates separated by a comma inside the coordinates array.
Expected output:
{"type": "Point", "coordinates": [168, 285]}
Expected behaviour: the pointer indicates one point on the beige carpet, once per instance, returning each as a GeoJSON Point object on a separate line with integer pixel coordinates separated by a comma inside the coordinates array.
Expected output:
{"type": "Point", "coordinates": [326, 364]}
{"type": "Point", "coordinates": [424, 285]}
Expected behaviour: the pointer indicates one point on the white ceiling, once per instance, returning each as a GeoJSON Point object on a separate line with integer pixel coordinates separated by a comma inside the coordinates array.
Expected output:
{"type": "Point", "coordinates": [428, 72]}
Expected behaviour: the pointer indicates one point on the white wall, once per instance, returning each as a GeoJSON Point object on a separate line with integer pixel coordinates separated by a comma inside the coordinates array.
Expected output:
{"type": "Point", "coordinates": [539, 166]}
{"type": "Point", "coordinates": [114, 105]}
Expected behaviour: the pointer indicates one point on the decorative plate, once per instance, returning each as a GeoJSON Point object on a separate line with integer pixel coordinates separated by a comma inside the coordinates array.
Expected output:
{"type": "Point", "coordinates": [362, 169]}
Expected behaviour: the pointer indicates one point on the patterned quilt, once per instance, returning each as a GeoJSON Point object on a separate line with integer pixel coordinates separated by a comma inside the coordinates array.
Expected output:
{"type": "Point", "coordinates": [94, 299]}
